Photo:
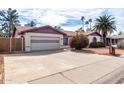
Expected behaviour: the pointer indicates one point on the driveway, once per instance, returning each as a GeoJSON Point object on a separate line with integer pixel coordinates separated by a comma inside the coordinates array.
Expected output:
{"type": "Point", "coordinates": [62, 67]}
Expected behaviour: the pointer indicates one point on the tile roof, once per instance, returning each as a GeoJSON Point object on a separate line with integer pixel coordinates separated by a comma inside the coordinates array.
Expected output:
{"type": "Point", "coordinates": [116, 37]}
{"type": "Point", "coordinates": [19, 29]}
{"type": "Point", "coordinates": [94, 34]}
{"type": "Point", "coordinates": [43, 29]}
{"type": "Point", "coordinates": [72, 33]}
{"type": "Point", "coordinates": [69, 33]}
{"type": "Point", "coordinates": [49, 29]}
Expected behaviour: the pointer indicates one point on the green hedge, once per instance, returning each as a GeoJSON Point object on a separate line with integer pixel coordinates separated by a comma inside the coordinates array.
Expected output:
{"type": "Point", "coordinates": [97, 44]}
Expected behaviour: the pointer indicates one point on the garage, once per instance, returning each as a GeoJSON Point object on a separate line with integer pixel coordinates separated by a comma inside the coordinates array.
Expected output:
{"type": "Point", "coordinates": [44, 43]}
{"type": "Point", "coordinates": [43, 38]}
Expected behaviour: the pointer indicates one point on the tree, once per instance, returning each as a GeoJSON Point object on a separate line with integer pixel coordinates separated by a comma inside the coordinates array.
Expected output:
{"type": "Point", "coordinates": [79, 30]}
{"type": "Point", "coordinates": [121, 33]}
{"type": "Point", "coordinates": [105, 24]}
{"type": "Point", "coordinates": [57, 27]}
{"type": "Point", "coordinates": [87, 24]}
{"type": "Point", "coordinates": [88, 30]}
{"type": "Point", "coordinates": [90, 21]}
{"type": "Point", "coordinates": [8, 20]}
{"type": "Point", "coordinates": [31, 24]}
{"type": "Point", "coordinates": [79, 41]}
{"type": "Point", "coordinates": [83, 19]}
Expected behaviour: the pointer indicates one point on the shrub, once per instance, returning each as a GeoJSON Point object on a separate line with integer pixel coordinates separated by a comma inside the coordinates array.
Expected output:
{"type": "Point", "coordinates": [120, 45]}
{"type": "Point", "coordinates": [97, 44]}
{"type": "Point", "coordinates": [79, 41]}
{"type": "Point", "coordinates": [101, 44]}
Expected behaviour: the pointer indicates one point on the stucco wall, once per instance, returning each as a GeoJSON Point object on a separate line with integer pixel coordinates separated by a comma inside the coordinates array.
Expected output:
{"type": "Point", "coordinates": [1, 70]}
{"type": "Point", "coordinates": [91, 38]}
{"type": "Point", "coordinates": [29, 35]}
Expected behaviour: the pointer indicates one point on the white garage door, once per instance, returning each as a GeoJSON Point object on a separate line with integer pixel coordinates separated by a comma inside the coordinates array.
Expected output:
{"type": "Point", "coordinates": [44, 43]}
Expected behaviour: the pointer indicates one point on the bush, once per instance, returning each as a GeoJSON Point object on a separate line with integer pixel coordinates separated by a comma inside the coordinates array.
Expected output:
{"type": "Point", "coordinates": [120, 45]}
{"type": "Point", "coordinates": [97, 44]}
{"type": "Point", "coordinates": [79, 41]}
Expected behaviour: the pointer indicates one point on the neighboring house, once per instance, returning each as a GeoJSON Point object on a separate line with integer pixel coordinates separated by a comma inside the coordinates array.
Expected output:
{"type": "Point", "coordinates": [19, 29]}
{"type": "Point", "coordinates": [41, 38]}
{"type": "Point", "coordinates": [68, 37]}
{"type": "Point", "coordinates": [113, 40]}
{"type": "Point", "coordinates": [91, 36]}
{"type": "Point", "coordinates": [94, 36]}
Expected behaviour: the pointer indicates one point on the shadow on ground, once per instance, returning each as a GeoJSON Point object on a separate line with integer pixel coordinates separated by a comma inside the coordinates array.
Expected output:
{"type": "Point", "coordinates": [36, 53]}
{"type": "Point", "coordinates": [48, 52]}
{"type": "Point", "coordinates": [94, 52]}
{"type": "Point", "coordinates": [84, 51]}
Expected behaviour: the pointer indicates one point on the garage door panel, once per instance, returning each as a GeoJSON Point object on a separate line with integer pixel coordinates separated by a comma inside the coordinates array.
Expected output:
{"type": "Point", "coordinates": [44, 38]}
{"type": "Point", "coordinates": [45, 43]}
{"type": "Point", "coordinates": [44, 46]}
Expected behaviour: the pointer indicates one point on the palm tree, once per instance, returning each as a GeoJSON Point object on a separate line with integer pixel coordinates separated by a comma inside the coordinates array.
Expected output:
{"type": "Point", "coordinates": [87, 24]}
{"type": "Point", "coordinates": [121, 33]}
{"type": "Point", "coordinates": [8, 20]}
{"type": "Point", "coordinates": [90, 21]}
{"type": "Point", "coordinates": [82, 19]}
{"type": "Point", "coordinates": [105, 24]}
{"type": "Point", "coordinates": [79, 30]}
{"type": "Point", "coordinates": [57, 27]}
{"type": "Point", "coordinates": [31, 24]}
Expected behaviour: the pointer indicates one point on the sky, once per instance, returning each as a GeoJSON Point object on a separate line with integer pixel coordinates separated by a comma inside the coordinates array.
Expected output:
{"type": "Point", "coordinates": [69, 19]}
{"type": "Point", "coordinates": [66, 13]}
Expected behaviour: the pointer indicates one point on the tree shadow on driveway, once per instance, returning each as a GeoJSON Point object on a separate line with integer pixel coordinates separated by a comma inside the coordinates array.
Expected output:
{"type": "Point", "coordinates": [84, 51]}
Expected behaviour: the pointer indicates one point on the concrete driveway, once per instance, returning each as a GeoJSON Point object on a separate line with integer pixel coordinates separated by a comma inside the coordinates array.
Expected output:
{"type": "Point", "coordinates": [62, 67]}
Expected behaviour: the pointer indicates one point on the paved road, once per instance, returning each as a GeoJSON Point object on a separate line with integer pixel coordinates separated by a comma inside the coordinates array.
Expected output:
{"type": "Point", "coordinates": [62, 67]}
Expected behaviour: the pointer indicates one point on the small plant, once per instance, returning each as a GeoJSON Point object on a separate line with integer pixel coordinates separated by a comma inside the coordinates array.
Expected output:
{"type": "Point", "coordinates": [120, 45]}
{"type": "Point", "coordinates": [97, 44]}
{"type": "Point", "coordinates": [79, 41]}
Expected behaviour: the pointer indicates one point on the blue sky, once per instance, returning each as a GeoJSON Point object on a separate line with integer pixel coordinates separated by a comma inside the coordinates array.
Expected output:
{"type": "Point", "coordinates": [69, 19]}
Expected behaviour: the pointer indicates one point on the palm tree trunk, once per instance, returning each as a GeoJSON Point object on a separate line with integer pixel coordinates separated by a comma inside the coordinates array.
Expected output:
{"type": "Point", "coordinates": [104, 37]}
{"type": "Point", "coordinates": [90, 25]}
{"type": "Point", "coordinates": [104, 40]}
{"type": "Point", "coordinates": [83, 26]}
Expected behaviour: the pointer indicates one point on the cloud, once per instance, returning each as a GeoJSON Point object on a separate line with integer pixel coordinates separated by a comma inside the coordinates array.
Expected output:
{"type": "Point", "coordinates": [118, 13]}
{"type": "Point", "coordinates": [52, 18]}
{"type": "Point", "coordinates": [43, 16]}
{"type": "Point", "coordinates": [71, 28]}
{"type": "Point", "coordinates": [56, 16]}
{"type": "Point", "coordinates": [69, 18]}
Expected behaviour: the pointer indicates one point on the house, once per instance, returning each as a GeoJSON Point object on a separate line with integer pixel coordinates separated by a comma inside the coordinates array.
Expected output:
{"type": "Point", "coordinates": [48, 38]}
{"type": "Point", "coordinates": [19, 29]}
{"type": "Point", "coordinates": [41, 38]}
{"type": "Point", "coordinates": [113, 40]}
{"type": "Point", "coordinates": [91, 36]}
{"type": "Point", "coordinates": [68, 37]}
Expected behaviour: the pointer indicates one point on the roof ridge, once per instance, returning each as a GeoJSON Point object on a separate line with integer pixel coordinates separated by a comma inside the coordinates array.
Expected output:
{"type": "Point", "coordinates": [37, 28]}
